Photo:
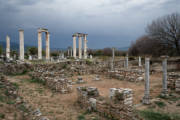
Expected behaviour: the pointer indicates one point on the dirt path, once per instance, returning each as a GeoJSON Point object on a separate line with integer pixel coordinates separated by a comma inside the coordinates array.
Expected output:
{"type": "Point", "coordinates": [53, 105]}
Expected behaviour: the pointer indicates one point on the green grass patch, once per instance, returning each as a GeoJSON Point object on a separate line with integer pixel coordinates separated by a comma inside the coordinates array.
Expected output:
{"type": "Point", "coordinates": [40, 90]}
{"type": "Point", "coordinates": [160, 104]}
{"type": "Point", "coordinates": [15, 85]}
{"type": "Point", "coordinates": [22, 108]}
{"type": "Point", "coordinates": [81, 117]}
{"type": "Point", "coordinates": [153, 115]}
{"type": "Point", "coordinates": [170, 97]}
{"type": "Point", "coordinates": [178, 105]}
{"type": "Point", "coordinates": [10, 102]}
{"type": "Point", "coordinates": [2, 115]}
{"type": "Point", "coordinates": [35, 80]}
{"type": "Point", "coordinates": [2, 98]}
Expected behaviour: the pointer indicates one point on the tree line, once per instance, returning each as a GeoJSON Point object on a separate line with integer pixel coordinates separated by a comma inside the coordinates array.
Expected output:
{"type": "Point", "coordinates": [162, 38]}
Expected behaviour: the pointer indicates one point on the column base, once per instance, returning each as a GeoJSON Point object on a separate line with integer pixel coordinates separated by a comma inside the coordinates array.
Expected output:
{"type": "Point", "coordinates": [146, 100]}
{"type": "Point", "coordinates": [164, 93]}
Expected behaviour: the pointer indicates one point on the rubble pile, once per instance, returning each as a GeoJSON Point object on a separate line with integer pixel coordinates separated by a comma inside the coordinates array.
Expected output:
{"type": "Point", "coordinates": [132, 75]}
{"type": "Point", "coordinates": [14, 68]}
{"type": "Point", "coordinates": [10, 90]}
{"type": "Point", "coordinates": [172, 78]}
{"type": "Point", "coordinates": [118, 106]}
{"type": "Point", "coordinates": [178, 85]}
{"type": "Point", "coordinates": [54, 80]}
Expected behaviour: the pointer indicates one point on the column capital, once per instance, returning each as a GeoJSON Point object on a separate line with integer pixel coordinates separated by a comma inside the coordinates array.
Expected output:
{"type": "Point", "coordinates": [164, 56]}
{"type": "Point", "coordinates": [21, 30]}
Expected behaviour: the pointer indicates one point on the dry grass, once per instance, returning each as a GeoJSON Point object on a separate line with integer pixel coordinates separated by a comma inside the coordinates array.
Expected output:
{"type": "Point", "coordinates": [62, 106]}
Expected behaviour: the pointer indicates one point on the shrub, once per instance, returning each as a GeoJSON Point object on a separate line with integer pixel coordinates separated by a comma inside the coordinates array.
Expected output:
{"type": "Point", "coordinates": [160, 104]}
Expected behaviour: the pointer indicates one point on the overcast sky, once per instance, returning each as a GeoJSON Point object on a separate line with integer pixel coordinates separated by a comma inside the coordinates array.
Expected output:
{"type": "Point", "coordinates": [108, 23]}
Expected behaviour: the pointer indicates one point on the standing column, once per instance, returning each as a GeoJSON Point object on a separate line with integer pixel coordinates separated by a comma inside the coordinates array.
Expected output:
{"type": "Point", "coordinates": [85, 46]}
{"type": "Point", "coordinates": [7, 47]}
{"type": "Point", "coordinates": [74, 46]}
{"type": "Point", "coordinates": [164, 80]}
{"type": "Point", "coordinates": [80, 46]}
{"type": "Point", "coordinates": [68, 52]}
{"type": "Point", "coordinates": [112, 62]}
{"type": "Point", "coordinates": [71, 52]}
{"type": "Point", "coordinates": [39, 45]}
{"type": "Point", "coordinates": [126, 61]}
{"type": "Point", "coordinates": [146, 98]}
{"type": "Point", "coordinates": [21, 47]}
{"type": "Point", "coordinates": [47, 46]}
{"type": "Point", "coordinates": [140, 61]}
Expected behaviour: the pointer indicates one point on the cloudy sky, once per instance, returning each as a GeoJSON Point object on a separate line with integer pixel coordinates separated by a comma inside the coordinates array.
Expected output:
{"type": "Point", "coordinates": [108, 23]}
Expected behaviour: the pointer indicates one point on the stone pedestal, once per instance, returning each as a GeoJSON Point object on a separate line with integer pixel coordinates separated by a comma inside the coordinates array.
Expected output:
{"type": "Point", "coordinates": [146, 98]}
{"type": "Point", "coordinates": [21, 44]}
{"type": "Point", "coordinates": [39, 45]}
{"type": "Point", "coordinates": [7, 47]}
{"type": "Point", "coordinates": [164, 80]}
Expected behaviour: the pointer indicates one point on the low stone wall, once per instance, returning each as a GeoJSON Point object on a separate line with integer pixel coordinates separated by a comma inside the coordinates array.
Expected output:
{"type": "Point", "coordinates": [178, 85]}
{"type": "Point", "coordinates": [132, 75]}
{"type": "Point", "coordinates": [117, 106]}
{"type": "Point", "coordinates": [58, 83]}
{"type": "Point", "coordinates": [11, 91]}
{"type": "Point", "coordinates": [174, 81]}
{"type": "Point", "coordinates": [14, 68]}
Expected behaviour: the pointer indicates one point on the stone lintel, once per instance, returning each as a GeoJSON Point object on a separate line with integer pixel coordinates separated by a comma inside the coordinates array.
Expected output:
{"type": "Point", "coordinates": [42, 30]}
{"type": "Point", "coordinates": [21, 30]}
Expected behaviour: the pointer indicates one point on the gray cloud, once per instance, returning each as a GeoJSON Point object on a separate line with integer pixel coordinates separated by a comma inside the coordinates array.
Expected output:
{"type": "Point", "coordinates": [108, 22]}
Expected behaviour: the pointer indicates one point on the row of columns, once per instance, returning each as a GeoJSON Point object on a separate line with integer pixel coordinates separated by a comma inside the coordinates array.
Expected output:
{"type": "Point", "coordinates": [164, 92]}
{"type": "Point", "coordinates": [21, 44]}
{"type": "Point", "coordinates": [40, 30]}
{"type": "Point", "coordinates": [80, 35]}
{"type": "Point", "coordinates": [146, 98]}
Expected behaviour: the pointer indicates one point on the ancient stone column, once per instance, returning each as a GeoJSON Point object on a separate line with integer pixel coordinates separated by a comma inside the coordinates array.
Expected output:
{"type": "Point", "coordinates": [112, 62]}
{"type": "Point", "coordinates": [71, 52]}
{"type": "Point", "coordinates": [74, 46]}
{"type": "Point", "coordinates": [146, 98]}
{"type": "Point", "coordinates": [39, 45]}
{"type": "Point", "coordinates": [126, 61]}
{"type": "Point", "coordinates": [21, 44]}
{"type": "Point", "coordinates": [164, 80]}
{"type": "Point", "coordinates": [85, 46]}
{"type": "Point", "coordinates": [68, 52]}
{"type": "Point", "coordinates": [80, 46]}
{"type": "Point", "coordinates": [47, 46]}
{"type": "Point", "coordinates": [140, 62]}
{"type": "Point", "coordinates": [7, 47]}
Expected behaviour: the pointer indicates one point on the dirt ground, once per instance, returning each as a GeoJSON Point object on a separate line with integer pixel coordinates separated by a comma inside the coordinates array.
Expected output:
{"type": "Point", "coordinates": [63, 106]}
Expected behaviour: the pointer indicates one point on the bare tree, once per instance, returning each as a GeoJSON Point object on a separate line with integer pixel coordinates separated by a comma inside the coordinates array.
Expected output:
{"type": "Point", "coordinates": [167, 30]}
{"type": "Point", "coordinates": [146, 46]}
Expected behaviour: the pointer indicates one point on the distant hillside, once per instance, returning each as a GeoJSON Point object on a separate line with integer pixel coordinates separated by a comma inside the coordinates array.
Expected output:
{"type": "Point", "coordinates": [13, 45]}
{"type": "Point", "coordinates": [123, 48]}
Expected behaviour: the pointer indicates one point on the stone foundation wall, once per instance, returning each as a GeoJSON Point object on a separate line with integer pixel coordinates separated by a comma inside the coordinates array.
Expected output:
{"type": "Point", "coordinates": [117, 106]}
{"type": "Point", "coordinates": [14, 68]}
{"type": "Point", "coordinates": [132, 75]}
{"type": "Point", "coordinates": [174, 81]}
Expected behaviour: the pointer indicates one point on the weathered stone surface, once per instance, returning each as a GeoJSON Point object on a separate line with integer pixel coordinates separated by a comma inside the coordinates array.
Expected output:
{"type": "Point", "coordinates": [119, 106]}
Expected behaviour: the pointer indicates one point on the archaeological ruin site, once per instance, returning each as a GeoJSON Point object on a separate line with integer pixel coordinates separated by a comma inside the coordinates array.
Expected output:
{"type": "Point", "coordinates": [89, 59]}
{"type": "Point", "coordinates": [79, 86]}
